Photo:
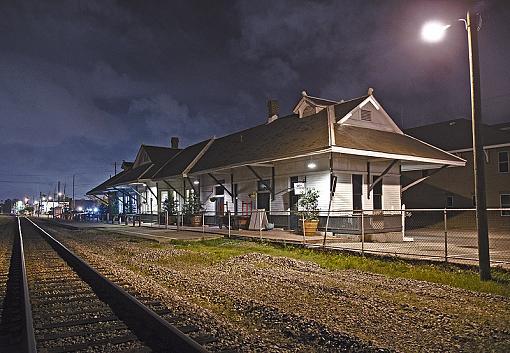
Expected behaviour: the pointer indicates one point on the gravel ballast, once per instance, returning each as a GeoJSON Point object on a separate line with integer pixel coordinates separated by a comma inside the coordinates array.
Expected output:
{"type": "Point", "coordinates": [256, 302]}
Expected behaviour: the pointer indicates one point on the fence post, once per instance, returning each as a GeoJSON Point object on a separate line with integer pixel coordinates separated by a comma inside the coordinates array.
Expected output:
{"type": "Point", "coordinates": [260, 223]}
{"type": "Point", "coordinates": [304, 232]}
{"type": "Point", "coordinates": [178, 220]}
{"type": "Point", "coordinates": [229, 224]}
{"type": "Point", "coordinates": [362, 233]}
{"type": "Point", "coordinates": [326, 229]}
{"type": "Point", "coordinates": [403, 214]}
{"type": "Point", "coordinates": [445, 237]}
{"type": "Point", "coordinates": [203, 222]}
{"type": "Point", "coordinates": [166, 219]}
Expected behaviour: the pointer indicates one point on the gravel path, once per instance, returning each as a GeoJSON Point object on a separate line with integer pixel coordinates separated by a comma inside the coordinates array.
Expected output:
{"type": "Point", "coordinates": [280, 304]}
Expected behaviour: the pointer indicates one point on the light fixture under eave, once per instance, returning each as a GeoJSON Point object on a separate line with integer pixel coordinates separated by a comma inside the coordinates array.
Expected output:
{"type": "Point", "coordinates": [311, 165]}
{"type": "Point", "coordinates": [196, 182]}
{"type": "Point", "coordinates": [433, 31]}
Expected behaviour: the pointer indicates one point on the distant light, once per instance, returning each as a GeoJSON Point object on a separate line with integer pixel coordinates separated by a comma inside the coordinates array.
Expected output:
{"type": "Point", "coordinates": [50, 198]}
{"type": "Point", "coordinates": [44, 198]}
{"type": "Point", "coordinates": [311, 165]}
{"type": "Point", "coordinates": [95, 209]}
{"type": "Point", "coordinates": [26, 199]}
{"type": "Point", "coordinates": [433, 31]}
{"type": "Point", "coordinates": [59, 194]}
{"type": "Point", "coordinates": [80, 209]}
{"type": "Point", "coordinates": [196, 182]}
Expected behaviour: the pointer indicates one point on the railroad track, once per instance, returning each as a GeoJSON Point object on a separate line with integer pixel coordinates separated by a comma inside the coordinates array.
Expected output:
{"type": "Point", "coordinates": [59, 303]}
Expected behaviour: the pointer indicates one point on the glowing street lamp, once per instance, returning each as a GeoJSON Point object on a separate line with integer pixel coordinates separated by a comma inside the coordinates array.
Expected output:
{"type": "Point", "coordinates": [434, 32]}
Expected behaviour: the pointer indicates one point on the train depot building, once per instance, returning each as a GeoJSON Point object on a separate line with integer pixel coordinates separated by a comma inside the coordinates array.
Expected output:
{"type": "Point", "coordinates": [351, 152]}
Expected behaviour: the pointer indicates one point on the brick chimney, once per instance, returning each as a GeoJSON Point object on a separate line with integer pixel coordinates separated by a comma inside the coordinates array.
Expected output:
{"type": "Point", "coordinates": [272, 110]}
{"type": "Point", "coordinates": [174, 142]}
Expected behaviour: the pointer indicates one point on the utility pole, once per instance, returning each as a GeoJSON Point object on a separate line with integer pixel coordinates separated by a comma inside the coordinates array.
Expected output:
{"type": "Point", "coordinates": [74, 203]}
{"type": "Point", "coordinates": [115, 168]}
{"type": "Point", "coordinates": [478, 154]}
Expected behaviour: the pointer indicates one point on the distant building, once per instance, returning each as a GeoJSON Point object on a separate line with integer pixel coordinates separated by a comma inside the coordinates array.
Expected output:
{"type": "Point", "coordinates": [454, 187]}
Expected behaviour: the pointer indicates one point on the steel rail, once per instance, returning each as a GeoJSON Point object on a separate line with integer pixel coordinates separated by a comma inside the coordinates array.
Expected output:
{"type": "Point", "coordinates": [124, 303]}
{"type": "Point", "coordinates": [29, 342]}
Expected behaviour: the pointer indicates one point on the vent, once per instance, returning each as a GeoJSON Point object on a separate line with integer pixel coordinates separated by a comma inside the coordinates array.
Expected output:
{"type": "Point", "coordinates": [366, 115]}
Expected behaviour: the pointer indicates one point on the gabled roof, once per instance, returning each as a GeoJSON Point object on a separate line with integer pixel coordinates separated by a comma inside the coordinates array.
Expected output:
{"type": "Point", "coordinates": [135, 172]}
{"type": "Point", "coordinates": [344, 108]}
{"type": "Point", "coordinates": [159, 153]}
{"type": "Point", "coordinates": [106, 184]}
{"type": "Point", "coordinates": [285, 137]}
{"type": "Point", "coordinates": [179, 163]}
{"type": "Point", "coordinates": [374, 142]}
{"type": "Point", "coordinates": [456, 134]}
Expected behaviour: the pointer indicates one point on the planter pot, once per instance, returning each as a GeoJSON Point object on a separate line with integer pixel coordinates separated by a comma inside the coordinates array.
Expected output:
{"type": "Point", "coordinates": [196, 220]}
{"type": "Point", "coordinates": [311, 227]}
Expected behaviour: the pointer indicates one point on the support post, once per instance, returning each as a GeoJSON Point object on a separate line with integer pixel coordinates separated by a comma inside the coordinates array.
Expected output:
{"type": "Point", "coordinates": [478, 154]}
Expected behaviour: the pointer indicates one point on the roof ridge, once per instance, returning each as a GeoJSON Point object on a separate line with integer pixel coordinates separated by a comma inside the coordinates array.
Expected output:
{"type": "Point", "coordinates": [322, 99]}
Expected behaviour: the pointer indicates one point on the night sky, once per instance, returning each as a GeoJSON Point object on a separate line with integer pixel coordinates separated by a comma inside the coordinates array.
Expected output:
{"type": "Point", "coordinates": [84, 83]}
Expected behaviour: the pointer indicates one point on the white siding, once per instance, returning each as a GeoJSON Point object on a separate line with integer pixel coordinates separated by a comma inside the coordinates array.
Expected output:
{"type": "Point", "coordinates": [281, 199]}
{"type": "Point", "coordinates": [391, 192]}
{"type": "Point", "coordinates": [343, 194]}
{"type": "Point", "coordinates": [320, 182]}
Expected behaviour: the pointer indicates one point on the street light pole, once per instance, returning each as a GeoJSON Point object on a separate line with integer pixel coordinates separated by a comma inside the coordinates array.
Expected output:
{"type": "Point", "coordinates": [478, 153]}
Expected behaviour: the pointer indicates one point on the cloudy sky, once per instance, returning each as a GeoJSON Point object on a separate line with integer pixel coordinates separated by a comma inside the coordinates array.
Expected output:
{"type": "Point", "coordinates": [84, 83]}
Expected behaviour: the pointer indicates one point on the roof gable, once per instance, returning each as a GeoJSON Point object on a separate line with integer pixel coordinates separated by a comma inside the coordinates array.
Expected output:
{"type": "Point", "coordinates": [309, 105]}
{"type": "Point", "coordinates": [153, 154]}
{"type": "Point", "coordinates": [370, 114]}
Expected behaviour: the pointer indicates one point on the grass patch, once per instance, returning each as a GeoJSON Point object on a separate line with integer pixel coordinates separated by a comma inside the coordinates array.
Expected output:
{"type": "Point", "coordinates": [208, 252]}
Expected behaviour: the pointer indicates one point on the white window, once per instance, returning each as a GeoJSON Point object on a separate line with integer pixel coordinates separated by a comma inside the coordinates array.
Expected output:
{"type": "Point", "coordinates": [504, 200]}
{"type": "Point", "coordinates": [503, 162]}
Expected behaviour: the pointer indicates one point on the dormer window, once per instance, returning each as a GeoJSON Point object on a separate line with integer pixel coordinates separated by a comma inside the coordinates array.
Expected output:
{"type": "Point", "coordinates": [366, 115]}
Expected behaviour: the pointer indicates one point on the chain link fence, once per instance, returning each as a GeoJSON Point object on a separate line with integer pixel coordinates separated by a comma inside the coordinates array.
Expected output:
{"type": "Point", "coordinates": [448, 235]}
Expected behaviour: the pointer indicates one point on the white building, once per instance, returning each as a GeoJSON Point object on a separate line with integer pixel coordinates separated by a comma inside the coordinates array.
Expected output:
{"type": "Point", "coordinates": [354, 144]}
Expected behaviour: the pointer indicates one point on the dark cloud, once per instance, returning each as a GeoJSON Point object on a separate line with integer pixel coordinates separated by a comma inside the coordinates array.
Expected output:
{"type": "Point", "coordinates": [83, 83]}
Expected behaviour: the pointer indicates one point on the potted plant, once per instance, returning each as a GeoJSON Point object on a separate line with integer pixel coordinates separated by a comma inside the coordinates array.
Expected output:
{"type": "Point", "coordinates": [309, 210]}
{"type": "Point", "coordinates": [169, 207]}
{"type": "Point", "coordinates": [191, 211]}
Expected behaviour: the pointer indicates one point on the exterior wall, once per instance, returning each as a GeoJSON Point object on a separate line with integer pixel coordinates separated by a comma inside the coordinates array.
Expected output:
{"type": "Point", "coordinates": [345, 166]}
{"type": "Point", "coordinates": [318, 178]}
{"type": "Point", "coordinates": [459, 183]}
